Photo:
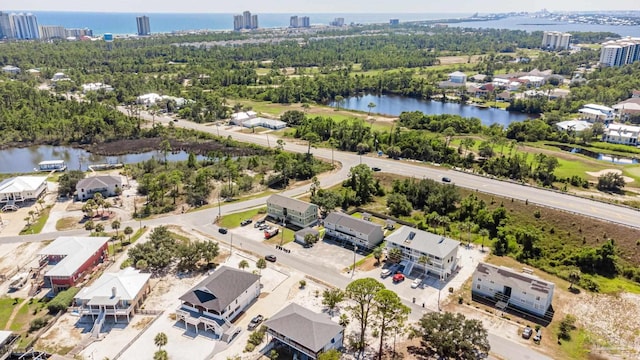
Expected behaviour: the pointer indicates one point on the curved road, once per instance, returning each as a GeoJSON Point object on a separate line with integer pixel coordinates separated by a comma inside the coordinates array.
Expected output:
{"type": "Point", "coordinates": [583, 206]}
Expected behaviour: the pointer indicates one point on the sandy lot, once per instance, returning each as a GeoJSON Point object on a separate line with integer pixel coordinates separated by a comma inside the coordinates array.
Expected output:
{"type": "Point", "coordinates": [615, 171]}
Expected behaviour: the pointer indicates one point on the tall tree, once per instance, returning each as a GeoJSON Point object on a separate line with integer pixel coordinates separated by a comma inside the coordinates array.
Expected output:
{"type": "Point", "coordinates": [452, 336]}
{"type": "Point", "coordinates": [331, 298]}
{"type": "Point", "coordinates": [362, 292]}
{"type": "Point", "coordinates": [160, 340]}
{"type": "Point", "coordinates": [115, 225]}
{"type": "Point", "coordinates": [389, 312]}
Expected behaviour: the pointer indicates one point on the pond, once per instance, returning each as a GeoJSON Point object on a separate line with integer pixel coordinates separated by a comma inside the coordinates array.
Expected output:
{"type": "Point", "coordinates": [20, 160]}
{"type": "Point", "coordinates": [614, 159]}
{"type": "Point", "coordinates": [394, 105]}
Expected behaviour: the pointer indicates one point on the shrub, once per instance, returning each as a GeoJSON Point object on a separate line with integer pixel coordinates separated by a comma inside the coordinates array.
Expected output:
{"type": "Point", "coordinates": [62, 301]}
{"type": "Point", "coordinates": [39, 323]}
{"type": "Point", "coordinates": [249, 347]}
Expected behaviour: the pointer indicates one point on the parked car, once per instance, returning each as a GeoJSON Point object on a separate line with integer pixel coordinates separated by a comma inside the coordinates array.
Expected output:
{"type": "Point", "coordinates": [538, 336]}
{"type": "Point", "coordinates": [375, 168]}
{"type": "Point", "coordinates": [255, 322]}
{"type": "Point", "coordinates": [385, 272]}
{"type": "Point", "coordinates": [416, 283]}
{"type": "Point", "coordinates": [264, 227]}
{"type": "Point", "coordinates": [258, 223]}
{"type": "Point", "coordinates": [223, 230]}
{"type": "Point", "coordinates": [526, 333]}
{"type": "Point", "coordinates": [446, 179]}
{"type": "Point", "coordinates": [246, 222]}
{"type": "Point", "coordinates": [398, 277]}
{"type": "Point", "coordinates": [271, 258]}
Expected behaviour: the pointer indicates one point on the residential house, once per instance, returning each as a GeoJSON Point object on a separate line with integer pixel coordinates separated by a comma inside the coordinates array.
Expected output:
{"type": "Point", "coordinates": [59, 76]}
{"type": "Point", "coordinates": [300, 235]}
{"type": "Point", "coordinates": [96, 87]}
{"type": "Point", "coordinates": [575, 126]}
{"type": "Point", "coordinates": [503, 96]}
{"type": "Point", "coordinates": [153, 98]}
{"type": "Point", "coordinates": [68, 259]}
{"type": "Point", "coordinates": [22, 188]}
{"type": "Point", "coordinates": [628, 108]}
{"type": "Point", "coordinates": [242, 116]}
{"type": "Point", "coordinates": [218, 299]}
{"type": "Point", "coordinates": [306, 333]}
{"type": "Point", "coordinates": [458, 77]}
{"type": "Point", "coordinates": [481, 91]}
{"type": "Point", "coordinates": [114, 294]}
{"type": "Point", "coordinates": [107, 185]}
{"type": "Point", "coordinates": [10, 69]}
{"type": "Point", "coordinates": [533, 81]}
{"type": "Point", "coordinates": [521, 290]}
{"type": "Point", "coordinates": [478, 77]}
{"type": "Point", "coordinates": [595, 112]}
{"type": "Point", "coordinates": [358, 232]}
{"type": "Point", "coordinates": [621, 134]}
{"type": "Point", "coordinates": [265, 123]}
{"type": "Point", "coordinates": [293, 211]}
{"type": "Point", "coordinates": [635, 94]}
{"type": "Point", "coordinates": [441, 252]}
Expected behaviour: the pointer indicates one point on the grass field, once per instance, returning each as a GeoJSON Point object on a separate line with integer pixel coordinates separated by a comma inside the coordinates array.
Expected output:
{"type": "Point", "coordinates": [6, 308]}
{"type": "Point", "coordinates": [233, 220]}
{"type": "Point", "coordinates": [36, 227]}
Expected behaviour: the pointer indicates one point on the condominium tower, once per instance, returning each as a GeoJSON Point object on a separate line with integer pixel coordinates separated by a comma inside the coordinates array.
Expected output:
{"type": "Point", "coordinates": [299, 22]}
{"type": "Point", "coordinates": [24, 26]}
{"type": "Point", "coordinates": [556, 40]}
{"type": "Point", "coordinates": [144, 28]}
{"type": "Point", "coordinates": [620, 52]}
{"type": "Point", "coordinates": [5, 26]}
{"type": "Point", "coordinates": [245, 21]}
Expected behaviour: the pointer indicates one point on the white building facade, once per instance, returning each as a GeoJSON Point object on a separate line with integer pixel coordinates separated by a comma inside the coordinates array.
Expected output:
{"type": "Point", "coordinates": [521, 290]}
{"type": "Point", "coordinates": [621, 134]}
{"type": "Point", "coordinates": [441, 252]}
{"type": "Point", "coordinates": [620, 52]}
{"type": "Point", "coordinates": [359, 232]}
{"type": "Point", "coordinates": [556, 40]}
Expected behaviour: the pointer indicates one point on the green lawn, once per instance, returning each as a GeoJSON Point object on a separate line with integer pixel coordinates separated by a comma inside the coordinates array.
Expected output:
{"type": "Point", "coordinates": [22, 319]}
{"type": "Point", "coordinates": [233, 220]}
{"type": "Point", "coordinates": [616, 285]}
{"type": "Point", "coordinates": [284, 237]}
{"type": "Point", "coordinates": [6, 308]}
{"type": "Point", "coordinates": [36, 227]}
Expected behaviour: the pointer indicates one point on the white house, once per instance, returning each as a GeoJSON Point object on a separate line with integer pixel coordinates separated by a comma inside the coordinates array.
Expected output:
{"type": "Point", "coordinates": [96, 87]}
{"type": "Point", "coordinates": [59, 76]}
{"type": "Point", "coordinates": [107, 185]}
{"type": "Point", "coordinates": [577, 126]}
{"type": "Point", "coordinates": [518, 289]}
{"type": "Point", "coordinates": [293, 211]}
{"type": "Point", "coordinates": [359, 232]}
{"type": "Point", "coordinates": [595, 112]}
{"type": "Point", "coordinates": [219, 299]}
{"type": "Point", "coordinates": [242, 116]}
{"type": "Point", "coordinates": [114, 294]}
{"type": "Point", "coordinates": [306, 333]}
{"type": "Point", "coordinates": [533, 81]}
{"type": "Point", "coordinates": [153, 98]}
{"type": "Point", "coordinates": [458, 77]}
{"type": "Point", "coordinates": [621, 134]}
{"type": "Point", "coordinates": [441, 252]}
{"type": "Point", "coordinates": [22, 188]}
{"type": "Point", "coordinates": [10, 69]}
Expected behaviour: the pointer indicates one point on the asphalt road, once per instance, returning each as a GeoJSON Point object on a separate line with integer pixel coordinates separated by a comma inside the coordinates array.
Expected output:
{"type": "Point", "coordinates": [583, 206]}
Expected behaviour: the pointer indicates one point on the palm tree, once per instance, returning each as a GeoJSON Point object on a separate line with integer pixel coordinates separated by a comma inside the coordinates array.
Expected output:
{"type": "Point", "coordinates": [41, 203]}
{"type": "Point", "coordinates": [115, 225]}
{"type": "Point", "coordinates": [89, 225]}
{"type": "Point", "coordinates": [160, 340]}
{"type": "Point", "coordinates": [377, 254]}
{"type": "Point", "coordinates": [128, 231]}
{"type": "Point", "coordinates": [574, 277]}
{"type": "Point", "coordinates": [99, 228]}
{"type": "Point", "coordinates": [243, 264]}
{"type": "Point", "coordinates": [160, 355]}
{"type": "Point", "coordinates": [371, 105]}
{"type": "Point", "coordinates": [261, 264]}
{"type": "Point", "coordinates": [483, 233]}
{"type": "Point", "coordinates": [394, 255]}
{"type": "Point", "coordinates": [344, 320]}
{"type": "Point", "coordinates": [32, 214]}
{"type": "Point", "coordinates": [424, 260]}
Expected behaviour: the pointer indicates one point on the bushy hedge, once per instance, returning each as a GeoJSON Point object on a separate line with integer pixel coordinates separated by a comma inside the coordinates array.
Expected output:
{"type": "Point", "coordinates": [62, 301]}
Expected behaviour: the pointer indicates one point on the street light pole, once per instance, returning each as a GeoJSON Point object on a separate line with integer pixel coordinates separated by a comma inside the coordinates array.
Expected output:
{"type": "Point", "coordinates": [353, 270]}
{"type": "Point", "coordinates": [439, 290]}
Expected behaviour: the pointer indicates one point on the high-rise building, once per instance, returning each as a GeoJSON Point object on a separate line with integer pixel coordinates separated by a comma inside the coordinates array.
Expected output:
{"type": "Point", "coordinates": [555, 40]}
{"type": "Point", "coordinates": [238, 22]}
{"type": "Point", "coordinates": [337, 22]}
{"type": "Point", "coordinates": [144, 29]}
{"type": "Point", "coordinates": [245, 21]}
{"type": "Point", "coordinates": [394, 22]}
{"type": "Point", "coordinates": [293, 22]}
{"type": "Point", "coordinates": [78, 33]}
{"type": "Point", "coordinates": [5, 26]}
{"type": "Point", "coordinates": [24, 26]}
{"type": "Point", "coordinates": [299, 22]}
{"type": "Point", "coordinates": [52, 32]}
{"type": "Point", "coordinates": [620, 52]}
{"type": "Point", "coordinates": [306, 22]}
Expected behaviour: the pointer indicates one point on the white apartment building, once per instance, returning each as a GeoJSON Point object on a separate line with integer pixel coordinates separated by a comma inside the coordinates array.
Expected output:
{"type": "Point", "coordinates": [24, 26]}
{"type": "Point", "coordinates": [620, 52]}
{"type": "Point", "coordinates": [359, 232]}
{"type": "Point", "coordinates": [441, 252]}
{"type": "Point", "coordinates": [521, 290]}
{"type": "Point", "coordinates": [142, 23]}
{"type": "Point", "coordinates": [595, 112]}
{"type": "Point", "coordinates": [293, 211]}
{"type": "Point", "coordinates": [52, 32]}
{"type": "Point", "coordinates": [621, 134]}
{"type": "Point", "coordinates": [556, 40]}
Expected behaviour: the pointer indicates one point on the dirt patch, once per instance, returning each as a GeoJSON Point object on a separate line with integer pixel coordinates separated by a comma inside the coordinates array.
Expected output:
{"type": "Point", "coordinates": [142, 323]}
{"type": "Point", "coordinates": [450, 60]}
{"type": "Point", "coordinates": [369, 264]}
{"type": "Point", "coordinates": [62, 337]}
{"type": "Point", "coordinates": [132, 146]}
{"type": "Point", "coordinates": [606, 171]}
{"type": "Point", "coordinates": [68, 223]}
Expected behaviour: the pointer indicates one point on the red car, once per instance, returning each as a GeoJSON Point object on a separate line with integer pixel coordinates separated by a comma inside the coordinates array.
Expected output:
{"type": "Point", "coordinates": [398, 277]}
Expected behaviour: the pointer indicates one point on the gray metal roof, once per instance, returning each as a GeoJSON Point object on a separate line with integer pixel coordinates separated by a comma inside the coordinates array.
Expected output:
{"type": "Point", "coordinates": [355, 224]}
{"type": "Point", "coordinates": [289, 203]}
{"type": "Point", "coordinates": [99, 181]}
{"type": "Point", "coordinates": [221, 288]}
{"type": "Point", "coordinates": [309, 329]}
{"type": "Point", "coordinates": [422, 241]}
{"type": "Point", "coordinates": [535, 282]}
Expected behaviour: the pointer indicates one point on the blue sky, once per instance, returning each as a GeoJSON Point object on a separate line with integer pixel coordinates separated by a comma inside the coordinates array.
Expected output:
{"type": "Point", "coordinates": [319, 6]}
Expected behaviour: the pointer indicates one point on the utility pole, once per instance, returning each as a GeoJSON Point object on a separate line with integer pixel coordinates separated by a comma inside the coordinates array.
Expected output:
{"type": "Point", "coordinates": [353, 270]}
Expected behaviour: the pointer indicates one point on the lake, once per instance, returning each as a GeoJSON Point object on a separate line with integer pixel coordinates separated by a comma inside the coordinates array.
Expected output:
{"type": "Point", "coordinates": [18, 160]}
{"type": "Point", "coordinates": [394, 105]}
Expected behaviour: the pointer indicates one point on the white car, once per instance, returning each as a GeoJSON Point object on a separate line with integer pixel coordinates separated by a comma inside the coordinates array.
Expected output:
{"type": "Point", "coordinates": [416, 283]}
{"type": "Point", "coordinates": [385, 273]}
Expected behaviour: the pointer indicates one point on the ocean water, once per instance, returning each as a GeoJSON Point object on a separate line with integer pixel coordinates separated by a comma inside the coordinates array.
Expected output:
{"type": "Point", "coordinates": [125, 23]}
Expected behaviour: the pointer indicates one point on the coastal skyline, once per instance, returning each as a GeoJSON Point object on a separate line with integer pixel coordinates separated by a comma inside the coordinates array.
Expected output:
{"type": "Point", "coordinates": [327, 6]}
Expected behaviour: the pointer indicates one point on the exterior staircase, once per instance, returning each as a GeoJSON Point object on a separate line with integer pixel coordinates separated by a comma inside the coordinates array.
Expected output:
{"type": "Point", "coordinates": [97, 325]}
